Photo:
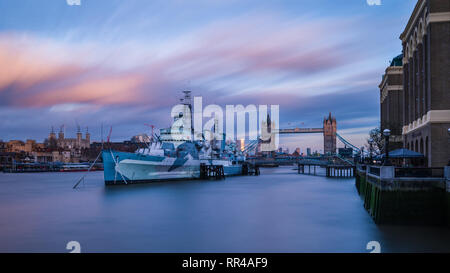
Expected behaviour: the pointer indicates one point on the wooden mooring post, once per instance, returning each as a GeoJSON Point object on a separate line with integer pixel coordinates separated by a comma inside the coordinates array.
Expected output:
{"type": "Point", "coordinates": [340, 171]}
{"type": "Point", "coordinates": [301, 169]}
{"type": "Point", "coordinates": [250, 169]}
{"type": "Point", "coordinates": [211, 171]}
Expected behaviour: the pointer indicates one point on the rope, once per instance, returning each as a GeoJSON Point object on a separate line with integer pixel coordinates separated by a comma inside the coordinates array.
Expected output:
{"type": "Point", "coordinates": [115, 168]}
{"type": "Point", "coordinates": [82, 178]}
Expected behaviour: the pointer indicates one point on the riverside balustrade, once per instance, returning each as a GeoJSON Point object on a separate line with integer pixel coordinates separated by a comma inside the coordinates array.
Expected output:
{"type": "Point", "coordinates": [399, 195]}
{"type": "Point", "coordinates": [419, 172]}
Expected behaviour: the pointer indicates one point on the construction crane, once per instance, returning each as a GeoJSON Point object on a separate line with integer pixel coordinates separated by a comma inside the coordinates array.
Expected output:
{"type": "Point", "coordinates": [109, 135]}
{"type": "Point", "coordinates": [151, 126]}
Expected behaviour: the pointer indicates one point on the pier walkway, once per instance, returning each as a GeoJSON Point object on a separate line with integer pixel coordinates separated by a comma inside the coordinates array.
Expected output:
{"type": "Point", "coordinates": [335, 166]}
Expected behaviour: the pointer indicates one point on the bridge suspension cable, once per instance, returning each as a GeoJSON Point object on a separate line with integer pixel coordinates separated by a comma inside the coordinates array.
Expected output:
{"type": "Point", "coordinates": [251, 146]}
{"type": "Point", "coordinates": [346, 142]}
{"type": "Point", "coordinates": [344, 159]}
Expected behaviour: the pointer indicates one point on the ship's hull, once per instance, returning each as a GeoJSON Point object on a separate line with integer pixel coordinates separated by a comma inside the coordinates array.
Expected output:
{"type": "Point", "coordinates": [130, 168]}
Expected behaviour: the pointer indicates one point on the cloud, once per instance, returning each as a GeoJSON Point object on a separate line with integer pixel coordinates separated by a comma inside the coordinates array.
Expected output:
{"type": "Point", "coordinates": [37, 73]}
{"type": "Point", "coordinates": [373, 2]}
{"type": "Point", "coordinates": [306, 65]}
{"type": "Point", "coordinates": [67, 107]}
{"type": "Point", "coordinates": [25, 64]}
{"type": "Point", "coordinates": [107, 90]}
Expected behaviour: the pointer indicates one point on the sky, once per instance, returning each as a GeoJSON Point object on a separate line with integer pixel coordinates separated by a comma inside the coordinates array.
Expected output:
{"type": "Point", "coordinates": [124, 63]}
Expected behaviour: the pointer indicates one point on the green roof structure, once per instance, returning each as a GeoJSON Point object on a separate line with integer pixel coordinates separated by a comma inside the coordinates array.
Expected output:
{"type": "Point", "coordinates": [397, 61]}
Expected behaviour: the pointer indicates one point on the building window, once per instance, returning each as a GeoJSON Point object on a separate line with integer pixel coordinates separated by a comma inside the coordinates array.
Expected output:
{"type": "Point", "coordinates": [421, 146]}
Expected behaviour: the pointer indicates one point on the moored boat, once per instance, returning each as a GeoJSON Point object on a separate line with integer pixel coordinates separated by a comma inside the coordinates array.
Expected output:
{"type": "Point", "coordinates": [169, 158]}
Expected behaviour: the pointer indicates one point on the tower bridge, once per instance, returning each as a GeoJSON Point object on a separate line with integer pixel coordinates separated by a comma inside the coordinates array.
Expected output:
{"type": "Point", "coordinates": [300, 131]}
{"type": "Point", "coordinates": [329, 131]}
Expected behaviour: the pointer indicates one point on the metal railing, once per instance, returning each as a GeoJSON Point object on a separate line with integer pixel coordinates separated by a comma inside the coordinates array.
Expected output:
{"type": "Point", "coordinates": [374, 170]}
{"type": "Point", "coordinates": [419, 172]}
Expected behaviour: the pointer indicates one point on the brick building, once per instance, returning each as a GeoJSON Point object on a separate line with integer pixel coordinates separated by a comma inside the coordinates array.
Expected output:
{"type": "Point", "coordinates": [17, 146]}
{"type": "Point", "coordinates": [391, 102]}
{"type": "Point", "coordinates": [426, 81]}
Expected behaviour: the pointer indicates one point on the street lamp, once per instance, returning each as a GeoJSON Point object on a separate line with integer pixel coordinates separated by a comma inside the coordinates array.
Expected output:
{"type": "Point", "coordinates": [448, 145]}
{"type": "Point", "coordinates": [362, 154]}
{"type": "Point", "coordinates": [371, 149]}
{"type": "Point", "coordinates": [386, 134]}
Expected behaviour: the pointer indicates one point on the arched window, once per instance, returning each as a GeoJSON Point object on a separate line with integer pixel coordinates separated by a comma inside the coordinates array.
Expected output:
{"type": "Point", "coordinates": [410, 48]}
{"type": "Point", "coordinates": [417, 146]}
{"type": "Point", "coordinates": [420, 31]}
{"type": "Point", "coordinates": [421, 146]}
{"type": "Point", "coordinates": [416, 37]}
{"type": "Point", "coordinates": [426, 148]}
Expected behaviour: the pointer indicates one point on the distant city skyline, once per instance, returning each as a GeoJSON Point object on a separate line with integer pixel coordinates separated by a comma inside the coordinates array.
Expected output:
{"type": "Point", "coordinates": [126, 65]}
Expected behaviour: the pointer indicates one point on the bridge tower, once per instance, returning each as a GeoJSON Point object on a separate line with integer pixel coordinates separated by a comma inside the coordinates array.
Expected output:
{"type": "Point", "coordinates": [329, 134]}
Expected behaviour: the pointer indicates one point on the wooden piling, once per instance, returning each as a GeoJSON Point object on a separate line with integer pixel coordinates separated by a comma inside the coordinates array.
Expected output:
{"type": "Point", "coordinates": [211, 171]}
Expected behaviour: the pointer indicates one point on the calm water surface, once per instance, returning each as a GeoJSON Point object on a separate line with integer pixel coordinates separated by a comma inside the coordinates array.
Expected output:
{"type": "Point", "coordinates": [279, 211]}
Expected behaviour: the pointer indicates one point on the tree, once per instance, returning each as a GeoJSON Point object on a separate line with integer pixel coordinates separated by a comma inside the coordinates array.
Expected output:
{"type": "Point", "coordinates": [378, 140]}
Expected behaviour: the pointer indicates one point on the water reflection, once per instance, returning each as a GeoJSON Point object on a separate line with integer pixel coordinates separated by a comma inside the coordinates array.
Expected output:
{"type": "Point", "coordinates": [279, 211]}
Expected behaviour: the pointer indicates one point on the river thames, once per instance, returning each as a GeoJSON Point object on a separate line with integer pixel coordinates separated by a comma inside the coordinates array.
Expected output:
{"type": "Point", "coordinates": [278, 211]}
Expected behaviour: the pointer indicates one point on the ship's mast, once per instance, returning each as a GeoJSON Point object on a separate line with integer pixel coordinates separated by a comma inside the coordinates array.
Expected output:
{"type": "Point", "coordinates": [187, 101]}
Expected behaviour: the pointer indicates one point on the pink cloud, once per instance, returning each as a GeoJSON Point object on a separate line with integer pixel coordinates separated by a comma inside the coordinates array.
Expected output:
{"type": "Point", "coordinates": [25, 64]}
{"type": "Point", "coordinates": [113, 90]}
{"type": "Point", "coordinates": [41, 73]}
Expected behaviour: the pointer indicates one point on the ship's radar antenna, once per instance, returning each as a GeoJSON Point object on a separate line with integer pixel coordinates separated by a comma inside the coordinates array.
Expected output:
{"type": "Point", "coordinates": [187, 97]}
